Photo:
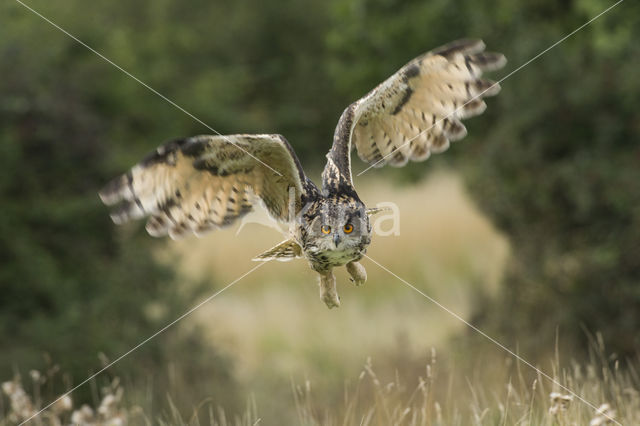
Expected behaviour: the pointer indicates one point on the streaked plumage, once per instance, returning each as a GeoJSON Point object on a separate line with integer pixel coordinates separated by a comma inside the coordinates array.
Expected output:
{"type": "Point", "coordinates": [198, 184]}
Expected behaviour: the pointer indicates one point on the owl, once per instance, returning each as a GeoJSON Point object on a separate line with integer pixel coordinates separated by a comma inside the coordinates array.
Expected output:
{"type": "Point", "coordinates": [197, 184]}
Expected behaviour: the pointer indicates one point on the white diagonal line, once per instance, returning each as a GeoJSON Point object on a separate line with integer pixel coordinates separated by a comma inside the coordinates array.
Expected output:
{"type": "Point", "coordinates": [163, 329]}
{"type": "Point", "coordinates": [147, 86]}
{"type": "Point", "coordinates": [478, 96]}
{"type": "Point", "coordinates": [491, 339]}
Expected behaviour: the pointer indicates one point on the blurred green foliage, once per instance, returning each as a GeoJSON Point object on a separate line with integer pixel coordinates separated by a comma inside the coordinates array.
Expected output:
{"type": "Point", "coordinates": [560, 175]}
{"type": "Point", "coordinates": [555, 161]}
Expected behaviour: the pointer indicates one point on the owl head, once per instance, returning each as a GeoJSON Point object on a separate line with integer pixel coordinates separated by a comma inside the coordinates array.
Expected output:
{"type": "Point", "coordinates": [339, 224]}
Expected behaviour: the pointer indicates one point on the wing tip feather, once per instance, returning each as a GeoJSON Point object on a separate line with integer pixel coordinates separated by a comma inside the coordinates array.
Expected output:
{"type": "Point", "coordinates": [490, 61]}
{"type": "Point", "coordinates": [463, 45]}
{"type": "Point", "coordinates": [112, 192]}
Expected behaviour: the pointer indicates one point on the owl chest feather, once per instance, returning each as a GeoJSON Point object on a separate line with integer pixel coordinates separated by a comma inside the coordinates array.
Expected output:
{"type": "Point", "coordinates": [322, 260]}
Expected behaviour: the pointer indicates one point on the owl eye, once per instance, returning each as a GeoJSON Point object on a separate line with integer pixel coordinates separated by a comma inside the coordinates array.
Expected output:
{"type": "Point", "coordinates": [348, 228]}
{"type": "Point", "coordinates": [326, 229]}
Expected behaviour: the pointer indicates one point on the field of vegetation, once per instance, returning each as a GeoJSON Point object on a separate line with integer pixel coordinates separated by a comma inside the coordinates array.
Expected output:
{"type": "Point", "coordinates": [509, 395]}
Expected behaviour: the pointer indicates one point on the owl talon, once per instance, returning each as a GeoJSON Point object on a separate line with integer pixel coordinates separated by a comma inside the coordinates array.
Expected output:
{"type": "Point", "coordinates": [357, 272]}
{"type": "Point", "coordinates": [332, 300]}
{"type": "Point", "coordinates": [328, 292]}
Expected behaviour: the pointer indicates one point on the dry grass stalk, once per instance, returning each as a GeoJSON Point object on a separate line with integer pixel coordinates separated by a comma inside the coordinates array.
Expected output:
{"type": "Point", "coordinates": [22, 406]}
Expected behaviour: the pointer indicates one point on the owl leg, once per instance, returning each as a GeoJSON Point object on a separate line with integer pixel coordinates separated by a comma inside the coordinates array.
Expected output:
{"type": "Point", "coordinates": [328, 292]}
{"type": "Point", "coordinates": [357, 272]}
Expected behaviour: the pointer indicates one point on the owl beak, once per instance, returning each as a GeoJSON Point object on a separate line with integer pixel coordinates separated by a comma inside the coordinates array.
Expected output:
{"type": "Point", "coordinates": [336, 239]}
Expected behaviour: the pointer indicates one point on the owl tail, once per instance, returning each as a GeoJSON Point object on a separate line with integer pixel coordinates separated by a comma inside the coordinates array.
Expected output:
{"type": "Point", "coordinates": [285, 251]}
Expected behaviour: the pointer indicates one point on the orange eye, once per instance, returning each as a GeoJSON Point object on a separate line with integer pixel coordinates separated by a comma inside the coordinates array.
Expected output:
{"type": "Point", "coordinates": [326, 229]}
{"type": "Point", "coordinates": [348, 228]}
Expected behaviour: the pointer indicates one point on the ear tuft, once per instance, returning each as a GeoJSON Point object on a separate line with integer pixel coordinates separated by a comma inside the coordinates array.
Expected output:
{"type": "Point", "coordinates": [375, 210]}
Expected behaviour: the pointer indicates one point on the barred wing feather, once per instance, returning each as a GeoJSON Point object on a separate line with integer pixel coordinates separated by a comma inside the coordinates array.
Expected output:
{"type": "Point", "coordinates": [418, 110]}
{"type": "Point", "coordinates": [202, 183]}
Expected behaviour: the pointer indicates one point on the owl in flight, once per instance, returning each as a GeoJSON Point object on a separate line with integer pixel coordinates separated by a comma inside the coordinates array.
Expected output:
{"type": "Point", "coordinates": [202, 183]}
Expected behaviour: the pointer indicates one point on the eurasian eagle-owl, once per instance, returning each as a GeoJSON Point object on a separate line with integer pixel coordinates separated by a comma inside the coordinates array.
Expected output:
{"type": "Point", "coordinates": [198, 184]}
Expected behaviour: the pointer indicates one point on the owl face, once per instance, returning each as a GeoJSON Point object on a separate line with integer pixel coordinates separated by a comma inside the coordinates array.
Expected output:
{"type": "Point", "coordinates": [340, 225]}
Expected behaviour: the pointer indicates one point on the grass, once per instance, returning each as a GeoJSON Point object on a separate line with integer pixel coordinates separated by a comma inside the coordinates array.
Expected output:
{"type": "Point", "coordinates": [516, 398]}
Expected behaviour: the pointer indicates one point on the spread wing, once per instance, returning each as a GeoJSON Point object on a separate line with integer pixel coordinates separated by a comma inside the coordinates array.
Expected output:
{"type": "Point", "coordinates": [418, 109]}
{"type": "Point", "coordinates": [207, 182]}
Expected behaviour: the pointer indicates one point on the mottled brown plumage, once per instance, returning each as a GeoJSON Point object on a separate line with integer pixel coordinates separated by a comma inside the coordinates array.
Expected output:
{"type": "Point", "coordinates": [198, 184]}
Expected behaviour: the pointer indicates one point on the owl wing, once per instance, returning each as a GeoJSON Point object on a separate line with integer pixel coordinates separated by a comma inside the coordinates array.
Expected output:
{"type": "Point", "coordinates": [417, 111]}
{"type": "Point", "coordinates": [284, 251]}
{"type": "Point", "coordinates": [207, 182]}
